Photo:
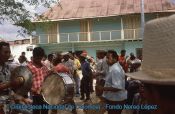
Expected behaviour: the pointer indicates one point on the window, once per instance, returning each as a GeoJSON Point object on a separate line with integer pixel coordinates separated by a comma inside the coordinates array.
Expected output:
{"type": "Point", "coordinates": [30, 48]}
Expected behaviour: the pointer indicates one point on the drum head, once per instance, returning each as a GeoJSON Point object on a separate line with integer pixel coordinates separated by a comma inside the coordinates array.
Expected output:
{"type": "Point", "coordinates": [22, 71]}
{"type": "Point", "coordinates": [53, 89]}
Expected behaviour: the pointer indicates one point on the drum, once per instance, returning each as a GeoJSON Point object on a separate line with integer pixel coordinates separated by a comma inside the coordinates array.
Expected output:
{"type": "Point", "coordinates": [26, 75]}
{"type": "Point", "coordinates": [57, 88]}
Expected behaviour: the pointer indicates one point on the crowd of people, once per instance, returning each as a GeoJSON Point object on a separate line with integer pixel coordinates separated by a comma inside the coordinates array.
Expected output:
{"type": "Point", "coordinates": [119, 79]}
{"type": "Point", "coordinates": [112, 86]}
{"type": "Point", "coordinates": [108, 71]}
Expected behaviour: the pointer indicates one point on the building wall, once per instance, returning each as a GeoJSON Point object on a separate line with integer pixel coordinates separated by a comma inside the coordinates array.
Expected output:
{"type": "Point", "coordinates": [72, 26]}
{"type": "Point", "coordinates": [131, 46]}
{"type": "Point", "coordinates": [100, 24]}
{"type": "Point", "coordinates": [91, 48]}
{"type": "Point", "coordinates": [17, 49]}
{"type": "Point", "coordinates": [69, 26]}
{"type": "Point", "coordinates": [104, 24]}
{"type": "Point", "coordinates": [43, 34]}
{"type": "Point", "coordinates": [50, 48]}
{"type": "Point", "coordinates": [107, 23]}
{"type": "Point", "coordinates": [47, 30]}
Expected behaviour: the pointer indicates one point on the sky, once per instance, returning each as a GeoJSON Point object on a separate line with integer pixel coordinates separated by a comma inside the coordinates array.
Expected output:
{"type": "Point", "coordinates": [173, 1]}
{"type": "Point", "coordinates": [9, 32]}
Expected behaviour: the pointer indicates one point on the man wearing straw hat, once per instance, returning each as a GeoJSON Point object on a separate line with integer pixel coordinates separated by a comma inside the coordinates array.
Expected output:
{"type": "Point", "coordinates": [158, 68]}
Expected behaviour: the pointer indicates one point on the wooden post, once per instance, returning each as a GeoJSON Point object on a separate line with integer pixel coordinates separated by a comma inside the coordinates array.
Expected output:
{"type": "Point", "coordinates": [122, 30]}
{"type": "Point", "coordinates": [48, 38]}
{"type": "Point", "coordinates": [58, 33]}
{"type": "Point", "coordinates": [89, 33]}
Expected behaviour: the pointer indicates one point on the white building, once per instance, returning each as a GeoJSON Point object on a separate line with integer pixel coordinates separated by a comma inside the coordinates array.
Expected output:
{"type": "Point", "coordinates": [19, 46]}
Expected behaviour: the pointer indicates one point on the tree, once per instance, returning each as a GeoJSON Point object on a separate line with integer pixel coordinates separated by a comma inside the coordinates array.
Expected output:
{"type": "Point", "coordinates": [15, 12]}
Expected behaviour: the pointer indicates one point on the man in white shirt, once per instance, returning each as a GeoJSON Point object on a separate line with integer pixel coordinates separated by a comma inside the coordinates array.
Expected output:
{"type": "Point", "coordinates": [102, 66]}
{"type": "Point", "coordinates": [68, 62]}
{"type": "Point", "coordinates": [101, 70]}
{"type": "Point", "coordinates": [114, 90]}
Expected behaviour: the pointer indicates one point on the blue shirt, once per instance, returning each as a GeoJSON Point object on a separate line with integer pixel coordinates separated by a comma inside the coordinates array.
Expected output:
{"type": "Point", "coordinates": [86, 70]}
{"type": "Point", "coordinates": [116, 79]}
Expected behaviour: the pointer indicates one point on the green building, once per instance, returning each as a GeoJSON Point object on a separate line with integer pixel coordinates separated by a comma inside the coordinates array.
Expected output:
{"type": "Point", "coordinates": [93, 25]}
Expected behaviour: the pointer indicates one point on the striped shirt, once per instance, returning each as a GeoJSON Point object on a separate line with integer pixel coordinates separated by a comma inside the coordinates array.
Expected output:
{"type": "Point", "coordinates": [38, 75]}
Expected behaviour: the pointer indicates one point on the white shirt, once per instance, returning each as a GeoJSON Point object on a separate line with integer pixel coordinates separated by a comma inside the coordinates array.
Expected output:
{"type": "Point", "coordinates": [70, 65]}
{"type": "Point", "coordinates": [116, 79]}
{"type": "Point", "coordinates": [48, 64]}
{"type": "Point", "coordinates": [102, 67]}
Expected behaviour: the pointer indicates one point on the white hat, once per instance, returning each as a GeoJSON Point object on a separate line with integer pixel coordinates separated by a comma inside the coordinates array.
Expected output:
{"type": "Point", "coordinates": [158, 53]}
{"type": "Point", "coordinates": [11, 57]}
{"type": "Point", "coordinates": [64, 53]}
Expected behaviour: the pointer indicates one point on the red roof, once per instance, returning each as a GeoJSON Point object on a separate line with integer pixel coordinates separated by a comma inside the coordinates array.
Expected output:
{"type": "Point", "coordinates": [77, 9]}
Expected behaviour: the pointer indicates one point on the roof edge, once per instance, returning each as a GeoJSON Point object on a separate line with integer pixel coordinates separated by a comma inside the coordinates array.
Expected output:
{"type": "Point", "coordinates": [66, 19]}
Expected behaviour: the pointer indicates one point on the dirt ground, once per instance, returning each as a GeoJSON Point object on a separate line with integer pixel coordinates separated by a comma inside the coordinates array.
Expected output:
{"type": "Point", "coordinates": [94, 101]}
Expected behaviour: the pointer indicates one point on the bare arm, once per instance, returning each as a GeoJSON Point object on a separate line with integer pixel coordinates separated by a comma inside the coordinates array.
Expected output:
{"type": "Point", "coordinates": [4, 86]}
{"type": "Point", "coordinates": [111, 89]}
{"type": "Point", "coordinates": [15, 83]}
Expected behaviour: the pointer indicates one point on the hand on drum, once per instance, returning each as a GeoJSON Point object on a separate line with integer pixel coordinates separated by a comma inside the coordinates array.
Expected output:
{"type": "Point", "coordinates": [95, 74]}
{"type": "Point", "coordinates": [51, 71]}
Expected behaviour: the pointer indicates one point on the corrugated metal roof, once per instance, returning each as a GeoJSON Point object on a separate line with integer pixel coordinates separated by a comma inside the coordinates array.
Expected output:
{"type": "Point", "coordinates": [77, 9]}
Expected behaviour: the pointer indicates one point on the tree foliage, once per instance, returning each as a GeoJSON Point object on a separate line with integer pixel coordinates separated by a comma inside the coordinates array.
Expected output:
{"type": "Point", "coordinates": [15, 12]}
{"type": "Point", "coordinates": [12, 11]}
{"type": "Point", "coordinates": [46, 3]}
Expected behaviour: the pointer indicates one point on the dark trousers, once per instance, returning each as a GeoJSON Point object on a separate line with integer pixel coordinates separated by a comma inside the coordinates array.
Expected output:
{"type": "Point", "coordinates": [1, 111]}
{"type": "Point", "coordinates": [85, 87]}
{"type": "Point", "coordinates": [115, 111]}
{"type": "Point", "coordinates": [38, 100]}
{"type": "Point", "coordinates": [91, 84]}
{"type": "Point", "coordinates": [99, 82]}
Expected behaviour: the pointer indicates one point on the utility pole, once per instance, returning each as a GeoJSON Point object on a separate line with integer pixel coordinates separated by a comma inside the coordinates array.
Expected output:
{"type": "Point", "coordinates": [142, 18]}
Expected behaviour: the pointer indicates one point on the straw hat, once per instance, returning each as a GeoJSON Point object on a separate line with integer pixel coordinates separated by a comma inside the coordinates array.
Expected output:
{"type": "Point", "coordinates": [158, 53]}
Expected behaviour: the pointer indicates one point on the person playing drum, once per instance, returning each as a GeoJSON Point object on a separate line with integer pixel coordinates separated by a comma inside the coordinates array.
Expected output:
{"type": "Point", "coordinates": [101, 70]}
{"type": "Point", "coordinates": [39, 72]}
{"type": "Point", "coordinates": [114, 92]}
{"type": "Point", "coordinates": [59, 67]}
{"type": "Point", "coordinates": [5, 73]}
